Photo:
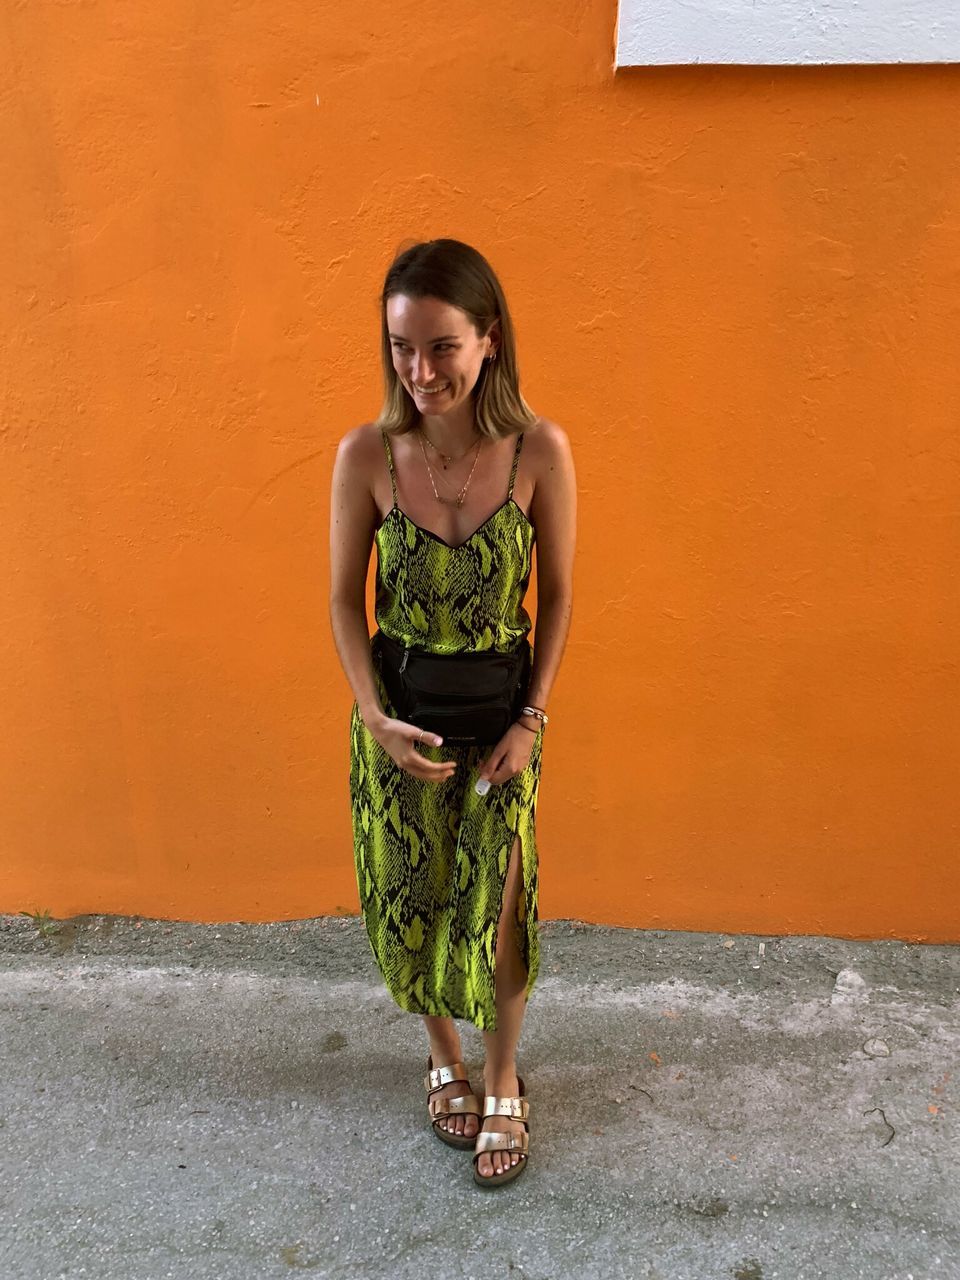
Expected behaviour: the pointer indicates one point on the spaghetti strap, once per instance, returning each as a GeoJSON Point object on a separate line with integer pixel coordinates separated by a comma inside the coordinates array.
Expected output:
{"type": "Point", "coordinates": [513, 470]}
{"type": "Point", "coordinates": [393, 479]}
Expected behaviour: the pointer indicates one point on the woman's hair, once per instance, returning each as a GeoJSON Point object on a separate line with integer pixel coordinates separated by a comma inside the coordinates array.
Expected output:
{"type": "Point", "coordinates": [456, 274]}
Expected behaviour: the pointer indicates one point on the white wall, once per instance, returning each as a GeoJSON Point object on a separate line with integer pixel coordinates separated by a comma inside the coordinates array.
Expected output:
{"type": "Point", "coordinates": [657, 32]}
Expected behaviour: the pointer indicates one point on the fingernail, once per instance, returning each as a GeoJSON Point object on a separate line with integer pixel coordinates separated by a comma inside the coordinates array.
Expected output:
{"type": "Point", "coordinates": [482, 786]}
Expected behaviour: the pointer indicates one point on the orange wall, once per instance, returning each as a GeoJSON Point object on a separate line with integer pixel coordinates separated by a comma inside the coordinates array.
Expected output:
{"type": "Point", "coordinates": [736, 289]}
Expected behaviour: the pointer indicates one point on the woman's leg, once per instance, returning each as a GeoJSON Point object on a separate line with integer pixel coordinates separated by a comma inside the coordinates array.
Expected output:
{"type": "Point", "coordinates": [445, 1051]}
{"type": "Point", "coordinates": [500, 1071]}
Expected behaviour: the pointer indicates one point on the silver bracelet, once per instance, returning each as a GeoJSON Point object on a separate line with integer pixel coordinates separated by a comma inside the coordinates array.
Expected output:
{"type": "Point", "coordinates": [536, 712]}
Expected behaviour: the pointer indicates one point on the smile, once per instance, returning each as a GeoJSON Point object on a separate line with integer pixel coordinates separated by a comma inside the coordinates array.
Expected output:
{"type": "Point", "coordinates": [431, 391]}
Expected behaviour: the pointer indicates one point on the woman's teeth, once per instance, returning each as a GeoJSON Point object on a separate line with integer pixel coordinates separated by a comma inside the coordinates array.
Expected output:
{"type": "Point", "coordinates": [431, 391]}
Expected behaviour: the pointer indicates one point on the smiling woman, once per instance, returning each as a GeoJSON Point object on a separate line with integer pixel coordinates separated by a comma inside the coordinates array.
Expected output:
{"type": "Point", "coordinates": [444, 833]}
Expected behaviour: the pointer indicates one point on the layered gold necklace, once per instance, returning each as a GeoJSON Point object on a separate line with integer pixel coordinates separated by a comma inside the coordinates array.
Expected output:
{"type": "Point", "coordinates": [448, 458]}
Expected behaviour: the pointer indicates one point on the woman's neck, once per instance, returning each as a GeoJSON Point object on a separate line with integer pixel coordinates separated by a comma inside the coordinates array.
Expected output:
{"type": "Point", "coordinates": [451, 434]}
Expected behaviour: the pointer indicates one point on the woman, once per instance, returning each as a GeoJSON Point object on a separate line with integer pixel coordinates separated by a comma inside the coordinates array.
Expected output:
{"type": "Point", "coordinates": [453, 484]}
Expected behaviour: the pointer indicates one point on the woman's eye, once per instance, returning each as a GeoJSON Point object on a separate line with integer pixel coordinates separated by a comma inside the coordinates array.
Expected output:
{"type": "Point", "coordinates": [444, 346]}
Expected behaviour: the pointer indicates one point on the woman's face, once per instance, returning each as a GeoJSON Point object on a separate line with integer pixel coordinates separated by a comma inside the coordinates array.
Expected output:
{"type": "Point", "coordinates": [436, 351]}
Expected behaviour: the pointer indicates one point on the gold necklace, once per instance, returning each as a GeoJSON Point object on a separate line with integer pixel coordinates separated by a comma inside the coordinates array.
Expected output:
{"type": "Point", "coordinates": [458, 500]}
{"type": "Point", "coordinates": [447, 457]}
{"type": "Point", "coordinates": [446, 484]}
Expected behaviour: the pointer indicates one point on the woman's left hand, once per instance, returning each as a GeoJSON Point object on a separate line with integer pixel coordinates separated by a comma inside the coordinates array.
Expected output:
{"type": "Point", "coordinates": [510, 756]}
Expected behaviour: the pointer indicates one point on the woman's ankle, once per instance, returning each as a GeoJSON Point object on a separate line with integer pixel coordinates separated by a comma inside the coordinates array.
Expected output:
{"type": "Point", "coordinates": [444, 1038]}
{"type": "Point", "coordinates": [501, 1081]}
{"type": "Point", "coordinates": [445, 1054]}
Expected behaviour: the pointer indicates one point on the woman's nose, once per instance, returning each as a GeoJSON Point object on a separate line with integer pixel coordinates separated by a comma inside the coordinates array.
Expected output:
{"type": "Point", "coordinates": [422, 372]}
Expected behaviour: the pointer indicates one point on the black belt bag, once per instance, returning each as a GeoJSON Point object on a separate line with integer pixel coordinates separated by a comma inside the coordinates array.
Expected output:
{"type": "Point", "coordinates": [467, 698]}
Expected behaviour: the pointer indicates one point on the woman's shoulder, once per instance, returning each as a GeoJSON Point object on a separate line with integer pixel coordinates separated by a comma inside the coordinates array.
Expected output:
{"type": "Point", "coordinates": [361, 438]}
{"type": "Point", "coordinates": [362, 447]}
{"type": "Point", "coordinates": [545, 434]}
{"type": "Point", "coordinates": [547, 442]}
{"type": "Point", "coordinates": [360, 458]}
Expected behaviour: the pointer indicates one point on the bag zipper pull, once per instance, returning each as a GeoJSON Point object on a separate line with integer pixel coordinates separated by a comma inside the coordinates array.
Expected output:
{"type": "Point", "coordinates": [406, 655]}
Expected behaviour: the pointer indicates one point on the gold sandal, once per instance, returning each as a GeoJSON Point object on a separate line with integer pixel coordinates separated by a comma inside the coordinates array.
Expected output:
{"type": "Point", "coordinates": [467, 1105]}
{"type": "Point", "coordinates": [517, 1109]}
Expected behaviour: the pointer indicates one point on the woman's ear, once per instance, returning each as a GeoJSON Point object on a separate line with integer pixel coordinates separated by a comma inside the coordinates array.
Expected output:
{"type": "Point", "coordinates": [494, 336]}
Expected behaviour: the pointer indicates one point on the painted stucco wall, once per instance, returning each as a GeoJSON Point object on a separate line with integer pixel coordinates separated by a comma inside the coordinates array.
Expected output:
{"type": "Point", "coordinates": [736, 289]}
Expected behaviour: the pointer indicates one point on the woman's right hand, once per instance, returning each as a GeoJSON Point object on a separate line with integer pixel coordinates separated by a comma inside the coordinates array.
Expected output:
{"type": "Point", "coordinates": [400, 741]}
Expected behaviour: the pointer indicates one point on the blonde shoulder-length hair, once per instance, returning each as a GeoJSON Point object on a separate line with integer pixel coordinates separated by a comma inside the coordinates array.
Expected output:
{"type": "Point", "coordinates": [456, 274]}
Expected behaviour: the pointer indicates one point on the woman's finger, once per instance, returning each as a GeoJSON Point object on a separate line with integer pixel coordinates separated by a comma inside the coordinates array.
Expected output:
{"type": "Point", "coordinates": [430, 770]}
{"type": "Point", "coordinates": [432, 766]}
{"type": "Point", "coordinates": [425, 769]}
{"type": "Point", "coordinates": [490, 766]}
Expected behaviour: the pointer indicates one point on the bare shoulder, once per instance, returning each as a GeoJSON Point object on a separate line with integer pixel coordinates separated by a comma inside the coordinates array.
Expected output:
{"type": "Point", "coordinates": [360, 453]}
{"type": "Point", "coordinates": [550, 449]}
{"type": "Point", "coordinates": [360, 442]}
{"type": "Point", "coordinates": [545, 432]}
{"type": "Point", "coordinates": [353, 501]}
{"type": "Point", "coordinates": [547, 438]}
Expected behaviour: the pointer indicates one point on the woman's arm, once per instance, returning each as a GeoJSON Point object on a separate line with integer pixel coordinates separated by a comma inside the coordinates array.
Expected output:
{"type": "Point", "coordinates": [553, 512]}
{"type": "Point", "coordinates": [353, 522]}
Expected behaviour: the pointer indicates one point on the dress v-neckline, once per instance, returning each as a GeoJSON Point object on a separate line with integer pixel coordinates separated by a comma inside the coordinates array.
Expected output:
{"type": "Point", "coordinates": [454, 546]}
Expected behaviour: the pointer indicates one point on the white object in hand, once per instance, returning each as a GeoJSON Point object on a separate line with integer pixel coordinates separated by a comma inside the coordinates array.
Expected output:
{"type": "Point", "coordinates": [482, 786]}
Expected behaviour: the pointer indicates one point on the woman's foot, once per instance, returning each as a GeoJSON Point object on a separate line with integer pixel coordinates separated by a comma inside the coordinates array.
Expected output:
{"type": "Point", "coordinates": [465, 1125]}
{"type": "Point", "coordinates": [491, 1163]}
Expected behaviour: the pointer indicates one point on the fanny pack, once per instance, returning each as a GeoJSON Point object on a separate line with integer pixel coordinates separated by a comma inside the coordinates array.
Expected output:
{"type": "Point", "coordinates": [467, 698]}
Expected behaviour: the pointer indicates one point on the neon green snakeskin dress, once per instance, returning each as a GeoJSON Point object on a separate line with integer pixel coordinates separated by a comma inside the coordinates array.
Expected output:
{"type": "Point", "coordinates": [432, 858]}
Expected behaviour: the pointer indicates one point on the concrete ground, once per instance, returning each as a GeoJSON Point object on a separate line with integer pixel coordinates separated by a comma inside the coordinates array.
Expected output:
{"type": "Point", "coordinates": [183, 1102]}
